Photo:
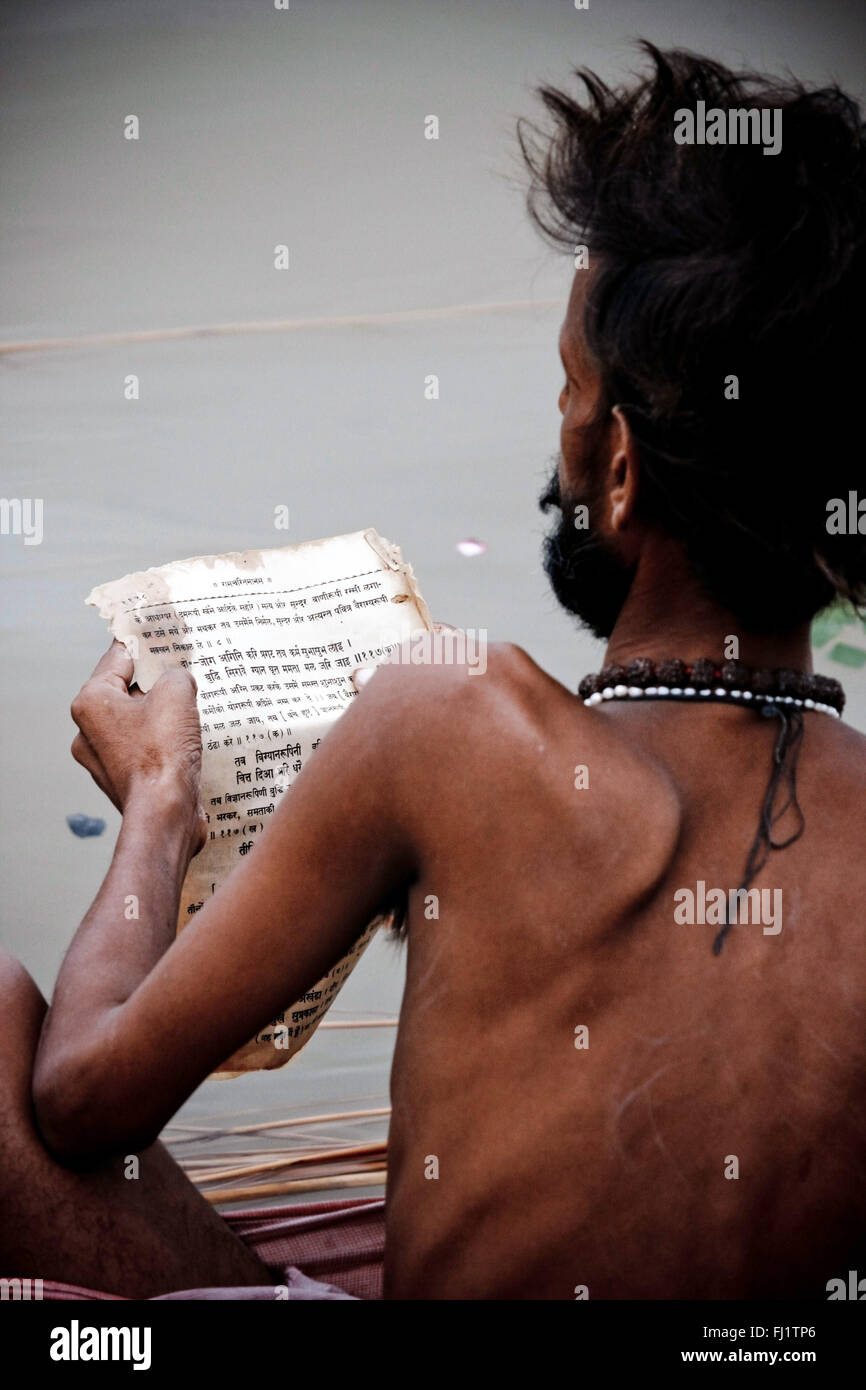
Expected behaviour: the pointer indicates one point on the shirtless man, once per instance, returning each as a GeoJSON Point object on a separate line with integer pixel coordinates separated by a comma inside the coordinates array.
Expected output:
{"type": "Point", "coordinates": [614, 1108]}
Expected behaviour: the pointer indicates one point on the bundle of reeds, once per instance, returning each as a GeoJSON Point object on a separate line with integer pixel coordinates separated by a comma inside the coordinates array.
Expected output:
{"type": "Point", "coordinates": [240, 1162]}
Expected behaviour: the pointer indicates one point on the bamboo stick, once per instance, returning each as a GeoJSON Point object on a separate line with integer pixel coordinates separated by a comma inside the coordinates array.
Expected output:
{"type": "Point", "coordinates": [359, 1023]}
{"type": "Point", "coordinates": [194, 1167]}
{"type": "Point", "coordinates": [313, 1170]}
{"type": "Point", "coordinates": [289, 1124]}
{"type": "Point", "coordinates": [288, 1161]}
{"type": "Point", "coordinates": [280, 1189]}
{"type": "Point", "coordinates": [200, 1163]}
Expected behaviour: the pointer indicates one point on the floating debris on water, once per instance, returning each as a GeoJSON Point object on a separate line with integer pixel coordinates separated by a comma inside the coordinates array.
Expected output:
{"type": "Point", "coordinates": [471, 546]}
{"type": "Point", "coordinates": [83, 826]}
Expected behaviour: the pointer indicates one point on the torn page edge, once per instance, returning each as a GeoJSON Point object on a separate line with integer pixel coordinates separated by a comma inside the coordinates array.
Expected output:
{"type": "Point", "coordinates": [392, 556]}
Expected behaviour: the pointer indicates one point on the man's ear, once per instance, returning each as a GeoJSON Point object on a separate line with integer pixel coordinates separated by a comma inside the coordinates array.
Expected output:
{"type": "Point", "coordinates": [624, 471]}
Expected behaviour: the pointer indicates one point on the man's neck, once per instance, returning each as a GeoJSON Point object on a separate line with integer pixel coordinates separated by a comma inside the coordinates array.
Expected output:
{"type": "Point", "coordinates": [667, 615]}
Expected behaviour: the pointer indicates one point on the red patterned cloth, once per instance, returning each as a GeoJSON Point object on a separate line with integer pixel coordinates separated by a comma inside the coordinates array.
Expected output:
{"type": "Point", "coordinates": [339, 1246]}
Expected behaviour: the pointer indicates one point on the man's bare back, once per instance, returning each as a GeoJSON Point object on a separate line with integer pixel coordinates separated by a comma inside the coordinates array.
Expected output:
{"type": "Point", "coordinates": [566, 1160]}
{"type": "Point", "coordinates": [587, 1099]}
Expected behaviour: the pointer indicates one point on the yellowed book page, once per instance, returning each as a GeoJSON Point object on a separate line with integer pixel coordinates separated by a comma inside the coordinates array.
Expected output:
{"type": "Point", "coordinates": [272, 638]}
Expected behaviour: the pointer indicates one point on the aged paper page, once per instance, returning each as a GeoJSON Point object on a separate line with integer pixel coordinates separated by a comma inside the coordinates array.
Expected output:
{"type": "Point", "coordinates": [272, 638]}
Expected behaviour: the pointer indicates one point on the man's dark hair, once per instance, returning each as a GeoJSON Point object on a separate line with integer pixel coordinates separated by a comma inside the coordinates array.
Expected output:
{"type": "Point", "coordinates": [718, 260]}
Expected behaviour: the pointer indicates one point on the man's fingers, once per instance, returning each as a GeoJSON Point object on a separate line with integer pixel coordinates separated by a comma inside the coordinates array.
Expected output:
{"type": "Point", "coordinates": [79, 749]}
{"type": "Point", "coordinates": [116, 662]}
{"type": "Point", "coordinates": [361, 675]}
{"type": "Point", "coordinates": [111, 676]}
{"type": "Point", "coordinates": [173, 682]}
{"type": "Point", "coordinates": [84, 754]}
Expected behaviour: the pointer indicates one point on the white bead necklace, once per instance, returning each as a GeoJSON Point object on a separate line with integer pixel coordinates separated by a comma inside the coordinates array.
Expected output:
{"type": "Point", "coordinates": [663, 692]}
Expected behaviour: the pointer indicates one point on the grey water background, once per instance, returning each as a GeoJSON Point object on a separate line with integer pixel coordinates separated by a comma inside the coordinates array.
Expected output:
{"type": "Point", "coordinates": [303, 127]}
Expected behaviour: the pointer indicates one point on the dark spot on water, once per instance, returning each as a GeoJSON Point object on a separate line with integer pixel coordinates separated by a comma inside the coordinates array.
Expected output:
{"type": "Point", "coordinates": [85, 825]}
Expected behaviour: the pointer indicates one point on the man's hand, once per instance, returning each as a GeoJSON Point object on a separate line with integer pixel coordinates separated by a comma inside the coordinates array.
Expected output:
{"type": "Point", "coordinates": [134, 743]}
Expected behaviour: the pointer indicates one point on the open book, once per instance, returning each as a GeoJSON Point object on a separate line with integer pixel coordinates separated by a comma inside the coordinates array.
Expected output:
{"type": "Point", "coordinates": [272, 638]}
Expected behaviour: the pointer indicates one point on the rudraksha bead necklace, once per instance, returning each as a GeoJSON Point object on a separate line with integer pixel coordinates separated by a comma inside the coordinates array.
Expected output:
{"type": "Point", "coordinates": [706, 680]}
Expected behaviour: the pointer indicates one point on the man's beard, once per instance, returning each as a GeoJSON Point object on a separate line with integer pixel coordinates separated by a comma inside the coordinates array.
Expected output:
{"type": "Point", "coordinates": [586, 574]}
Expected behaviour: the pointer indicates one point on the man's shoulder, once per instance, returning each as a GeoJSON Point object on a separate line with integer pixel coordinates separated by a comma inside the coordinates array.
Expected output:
{"type": "Point", "coordinates": [501, 703]}
{"type": "Point", "coordinates": [437, 680]}
{"type": "Point", "coordinates": [514, 741]}
{"type": "Point", "coordinates": [438, 684]}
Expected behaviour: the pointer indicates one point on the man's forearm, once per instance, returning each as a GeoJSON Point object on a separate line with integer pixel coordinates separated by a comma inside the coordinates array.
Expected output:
{"type": "Point", "coordinates": [131, 923]}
